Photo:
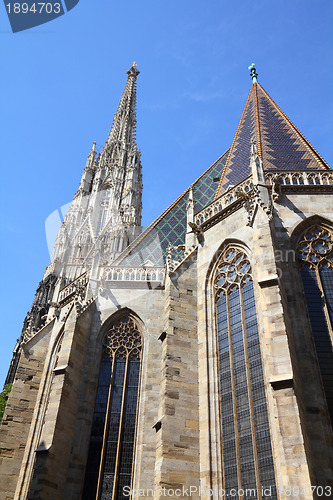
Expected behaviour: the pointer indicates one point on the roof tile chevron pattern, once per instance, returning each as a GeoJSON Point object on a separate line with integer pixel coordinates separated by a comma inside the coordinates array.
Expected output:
{"type": "Point", "coordinates": [170, 226]}
{"type": "Point", "coordinates": [280, 144]}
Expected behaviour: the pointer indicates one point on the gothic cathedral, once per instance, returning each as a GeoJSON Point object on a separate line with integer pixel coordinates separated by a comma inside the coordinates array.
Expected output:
{"type": "Point", "coordinates": [191, 359]}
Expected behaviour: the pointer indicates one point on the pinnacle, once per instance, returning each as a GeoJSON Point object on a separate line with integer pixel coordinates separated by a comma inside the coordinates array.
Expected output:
{"type": "Point", "coordinates": [124, 122]}
{"type": "Point", "coordinates": [133, 71]}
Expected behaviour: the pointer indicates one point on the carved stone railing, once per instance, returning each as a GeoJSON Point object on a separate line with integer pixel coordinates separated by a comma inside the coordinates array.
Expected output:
{"type": "Point", "coordinates": [233, 194]}
{"type": "Point", "coordinates": [176, 255]}
{"type": "Point", "coordinates": [134, 274]}
{"type": "Point", "coordinates": [283, 178]}
{"type": "Point", "coordinates": [303, 178]}
{"type": "Point", "coordinates": [73, 287]}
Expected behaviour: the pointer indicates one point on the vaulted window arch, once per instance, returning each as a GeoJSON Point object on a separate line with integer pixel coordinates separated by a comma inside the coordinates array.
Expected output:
{"type": "Point", "coordinates": [246, 443]}
{"type": "Point", "coordinates": [112, 441]}
{"type": "Point", "coordinates": [315, 257]}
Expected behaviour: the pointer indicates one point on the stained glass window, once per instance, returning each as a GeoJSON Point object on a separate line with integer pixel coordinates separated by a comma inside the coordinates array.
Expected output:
{"type": "Point", "coordinates": [110, 456]}
{"type": "Point", "coordinates": [315, 255]}
{"type": "Point", "coordinates": [246, 442]}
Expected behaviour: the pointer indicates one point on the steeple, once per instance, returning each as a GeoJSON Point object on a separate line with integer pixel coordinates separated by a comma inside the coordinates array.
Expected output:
{"type": "Point", "coordinates": [124, 123]}
{"type": "Point", "coordinates": [281, 146]}
{"type": "Point", "coordinates": [119, 166]}
{"type": "Point", "coordinates": [105, 215]}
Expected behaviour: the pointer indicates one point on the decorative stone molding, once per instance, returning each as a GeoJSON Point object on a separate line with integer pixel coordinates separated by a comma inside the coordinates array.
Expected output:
{"type": "Point", "coordinates": [76, 287]}
{"type": "Point", "coordinates": [233, 194]}
{"type": "Point", "coordinates": [253, 202]}
{"type": "Point", "coordinates": [182, 254]}
{"type": "Point", "coordinates": [247, 194]}
{"type": "Point", "coordinates": [148, 273]}
{"type": "Point", "coordinates": [301, 178]}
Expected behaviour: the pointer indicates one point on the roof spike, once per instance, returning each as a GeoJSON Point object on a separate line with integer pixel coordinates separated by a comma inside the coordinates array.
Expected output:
{"type": "Point", "coordinates": [253, 73]}
{"type": "Point", "coordinates": [124, 121]}
{"type": "Point", "coordinates": [256, 163]}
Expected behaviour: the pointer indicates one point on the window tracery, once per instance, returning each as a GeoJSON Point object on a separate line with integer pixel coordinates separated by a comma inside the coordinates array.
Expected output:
{"type": "Point", "coordinates": [245, 435]}
{"type": "Point", "coordinates": [112, 441]}
{"type": "Point", "coordinates": [316, 248]}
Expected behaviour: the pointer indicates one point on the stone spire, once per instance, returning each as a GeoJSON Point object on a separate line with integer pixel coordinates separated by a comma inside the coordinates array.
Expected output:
{"type": "Point", "coordinates": [119, 166]}
{"type": "Point", "coordinates": [124, 123]}
{"type": "Point", "coordinates": [105, 215]}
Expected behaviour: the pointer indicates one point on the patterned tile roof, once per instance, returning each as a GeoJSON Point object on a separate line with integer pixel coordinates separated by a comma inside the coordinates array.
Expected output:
{"type": "Point", "coordinates": [280, 144]}
{"type": "Point", "coordinates": [170, 226]}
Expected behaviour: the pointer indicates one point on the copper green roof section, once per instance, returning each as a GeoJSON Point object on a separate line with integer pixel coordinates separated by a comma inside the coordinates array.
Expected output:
{"type": "Point", "coordinates": [170, 226]}
{"type": "Point", "coordinates": [280, 144]}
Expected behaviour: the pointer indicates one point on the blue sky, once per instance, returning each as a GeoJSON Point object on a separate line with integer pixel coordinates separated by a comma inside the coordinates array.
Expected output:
{"type": "Point", "coordinates": [61, 84]}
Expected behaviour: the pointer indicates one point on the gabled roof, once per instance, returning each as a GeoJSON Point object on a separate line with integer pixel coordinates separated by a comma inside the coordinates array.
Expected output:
{"type": "Point", "coordinates": [281, 145]}
{"type": "Point", "coordinates": [170, 226]}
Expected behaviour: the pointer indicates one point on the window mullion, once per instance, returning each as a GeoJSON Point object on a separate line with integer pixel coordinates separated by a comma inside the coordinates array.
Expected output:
{"type": "Point", "coordinates": [249, 390]}
{"type": "Point", "coordinates": [105, 432]}
{"type": "Point", "coordinates": [234, 398]}
{"type": "Point", "coordinates": [121, 423]}
{"type": "Point", "coordinates": [136, 424]}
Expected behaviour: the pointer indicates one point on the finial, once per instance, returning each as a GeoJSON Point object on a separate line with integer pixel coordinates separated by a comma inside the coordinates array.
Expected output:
{"type": "Point", "coordinates": [253, 72]}
{"type": "Point", "coordinates": [254, 149]}
{"type": "Point", "coordinates": [133, 71]}
{"type": "Point", "coordinates": [94, 146]}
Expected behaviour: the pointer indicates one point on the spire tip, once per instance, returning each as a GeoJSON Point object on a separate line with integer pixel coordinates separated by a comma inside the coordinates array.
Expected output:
{"type": "Point", "coordinates": [133, 71]}
{"type": "Point", "coordinates": [253, 73]}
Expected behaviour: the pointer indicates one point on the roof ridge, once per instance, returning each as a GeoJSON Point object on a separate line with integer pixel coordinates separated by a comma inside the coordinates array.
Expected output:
{"type": "Point", "coordinates": [139, 238]}
{"type": "Point", "coordinates": [313, 151]}
{"type": "Point", "coordinates": [258, 128]}
{"type": "Point", "coordinates": [232, 146]}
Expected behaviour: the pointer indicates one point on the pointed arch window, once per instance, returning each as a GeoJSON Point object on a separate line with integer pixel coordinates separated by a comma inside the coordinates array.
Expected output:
{"type": "Point", "coordinates": [315, 257]}
{"type": "Point", "coordinates": [112, 441]}
{"type": "Point", "coordinates": [246, 443]}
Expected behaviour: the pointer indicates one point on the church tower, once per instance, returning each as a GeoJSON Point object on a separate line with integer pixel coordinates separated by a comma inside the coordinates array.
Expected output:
{"type": "Point", "coordinates": [105, 215]}
{"type": "Point", "coordinates": [192, 359]}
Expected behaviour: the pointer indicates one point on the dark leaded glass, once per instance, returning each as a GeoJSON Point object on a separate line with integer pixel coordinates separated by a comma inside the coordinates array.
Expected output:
{"type": "Point", "coordinates": [242, 389]}
{"type": "Point", "coordinates": [263, 439]}
{"type": "Point", "coordinates": [113, 429]}
{"type": "Point", "coordinates": [320, 328]}
{"type": "Point", "coordinates": [96, 438]}
{"type": "Point", "coordinates": [228, 429]}
{"type": "Point", "coordinates": [110, 458]}
{"type": "Point", "coordinates": [315, 253]}
{"type": "Point", "coordinates": [243, 409]}
{"type": "Point", "coordinates": [128, 433]}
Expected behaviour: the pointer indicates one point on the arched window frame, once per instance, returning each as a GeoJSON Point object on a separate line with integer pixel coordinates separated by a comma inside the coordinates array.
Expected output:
{"type": "Point", "coordinates": [313, 242]}
{"type": "Point", "coordinates": [217, 273]}
{"type": "Point", "coordinates": [116, 347]}
{"type": "Point", "coordinates": [315, 252]}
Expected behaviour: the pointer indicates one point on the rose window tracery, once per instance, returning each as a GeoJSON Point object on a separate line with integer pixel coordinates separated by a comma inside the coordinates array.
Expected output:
{"type": "Point", "coordinates": [123, 339]}
{"type": "Point", "coordinates": [234, 270]}
{"type": "Point", "coordinates": [316, 248]}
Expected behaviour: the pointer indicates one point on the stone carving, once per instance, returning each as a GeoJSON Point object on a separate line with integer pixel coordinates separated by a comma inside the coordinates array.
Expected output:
{"type": "Point", "coordinates": [36, 317]}
{"type": "Point", "coordinates": [123, 339]}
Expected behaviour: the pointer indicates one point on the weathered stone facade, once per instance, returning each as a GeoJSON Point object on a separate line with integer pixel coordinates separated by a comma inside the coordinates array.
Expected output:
{"type": "Point", "coordinates": [45, 432]}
